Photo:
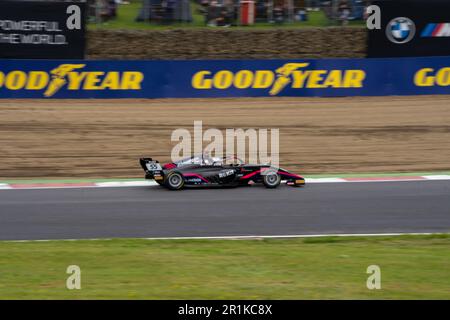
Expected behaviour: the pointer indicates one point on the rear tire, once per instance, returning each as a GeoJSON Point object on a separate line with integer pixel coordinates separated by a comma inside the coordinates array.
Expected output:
{"type": "Point", "coordinates": [174, 181]}
{"type": "Point", "coordinates": [271, 180]}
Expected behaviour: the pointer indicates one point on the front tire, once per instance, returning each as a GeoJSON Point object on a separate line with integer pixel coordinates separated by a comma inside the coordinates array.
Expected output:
{"type": "Point", "coordinates": [271, 180]}
{"type": "Point", "coordinates": [174, 181]}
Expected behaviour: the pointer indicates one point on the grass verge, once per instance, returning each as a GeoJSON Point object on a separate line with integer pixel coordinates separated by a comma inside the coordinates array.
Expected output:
{"type": "Point", "coordinates": [412, 267]}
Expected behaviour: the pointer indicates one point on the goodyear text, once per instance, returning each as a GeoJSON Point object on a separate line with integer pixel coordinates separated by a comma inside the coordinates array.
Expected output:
{"type": "Point", "coordinates": [293, 74]}
{"type": "Point", "coordinates": [73, 77]}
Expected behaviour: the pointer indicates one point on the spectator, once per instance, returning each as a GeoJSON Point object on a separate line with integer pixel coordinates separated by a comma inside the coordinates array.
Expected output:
{"type": "Point", "coordinates": [278, 14]}
{"type": "Point", "coordinates": [231, 10]}
{"type": "Point", "coordinates": [261, 10]}
{"type": "Point", "coordinates": [102, 10]}
{"type": "Point", "coordinates": [213, 11]}
{"type": "Point", "coordinates": [223, 20]}
{"type": "Point", "coordinates": [302, 15]}
{"type": "Point", "coordinates": [106, 10]}
{"type": "Point", "coordinates": [169, 9]}
{"type": "Point", "coordinates": [344, 12]}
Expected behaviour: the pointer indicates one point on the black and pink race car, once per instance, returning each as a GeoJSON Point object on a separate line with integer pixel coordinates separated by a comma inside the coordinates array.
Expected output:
{"type": "Point", "coordinates": [206, 171]}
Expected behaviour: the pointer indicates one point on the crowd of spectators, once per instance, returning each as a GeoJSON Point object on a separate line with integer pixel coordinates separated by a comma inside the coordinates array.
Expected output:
{"type": "Point", "coordinates": [224, 13]}
{"type": "Point", "coordinates": [165, 11]}
{"type": "Point", "coordinates": [345, 10]}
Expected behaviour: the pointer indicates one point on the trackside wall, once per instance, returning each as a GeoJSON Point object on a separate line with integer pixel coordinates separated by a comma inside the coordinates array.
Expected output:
{"type": "Point", "coordinates": [223, 78]}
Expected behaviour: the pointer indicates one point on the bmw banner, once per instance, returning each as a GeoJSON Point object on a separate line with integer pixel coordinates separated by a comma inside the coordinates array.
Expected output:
{"type": "Point", "coordinates": [411, 28]}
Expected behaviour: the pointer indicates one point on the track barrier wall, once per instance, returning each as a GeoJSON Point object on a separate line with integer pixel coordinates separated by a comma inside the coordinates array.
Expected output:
{"type": "Point", "coordinates": [223, 78]}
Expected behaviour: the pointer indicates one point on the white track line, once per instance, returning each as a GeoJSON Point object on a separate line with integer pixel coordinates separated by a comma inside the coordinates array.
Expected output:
{"type": "Point", "coordinates": [253, 237]}
{"type": "Point", "coordinates": [146, 183]}
{"type": "Point", "coordinates": [324, 180]}
{"type": "Point", "coordinates": [437, 177]}
{"type": "Point", "coordinates": [298, 236]}
{"type": "Point", "coordinates": [111, 184]}
{"type": "Point", "coordinates": [143, 183]}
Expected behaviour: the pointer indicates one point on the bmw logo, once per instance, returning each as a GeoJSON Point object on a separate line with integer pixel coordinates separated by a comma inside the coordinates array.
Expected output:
{"type": "Point", "coordinates": [400, 30]}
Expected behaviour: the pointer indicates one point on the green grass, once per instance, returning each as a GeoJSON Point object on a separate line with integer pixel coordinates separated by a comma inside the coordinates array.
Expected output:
{"type": "Point", "coordinates": [127, 14]}
{"type": "Point", "coordinates": [413, 267]}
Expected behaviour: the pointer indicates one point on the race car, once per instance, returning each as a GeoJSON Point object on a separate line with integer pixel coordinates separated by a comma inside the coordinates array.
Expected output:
{"type": "Point", "coordinates": [206, 171]}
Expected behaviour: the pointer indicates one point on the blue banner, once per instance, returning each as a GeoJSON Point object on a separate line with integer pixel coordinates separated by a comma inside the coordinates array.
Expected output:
{"type": "Point", "coordinates": [223, 78]}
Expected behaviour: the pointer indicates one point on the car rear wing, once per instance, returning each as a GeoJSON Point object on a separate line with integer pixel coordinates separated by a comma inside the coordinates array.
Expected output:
{"type": "Point", "coordinates": [150, 165]}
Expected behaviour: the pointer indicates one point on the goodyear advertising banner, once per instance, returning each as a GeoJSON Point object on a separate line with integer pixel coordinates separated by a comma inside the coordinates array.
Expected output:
{"type": "Point", "coordinates": [42, 29]}
{"type": "Point", "coordinates": [411, 28]}
{"type": "Point", "coordinates": [223, 78]}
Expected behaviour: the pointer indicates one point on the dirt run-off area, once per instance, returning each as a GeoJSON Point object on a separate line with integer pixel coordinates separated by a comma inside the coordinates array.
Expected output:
{"type": "Point", "coordinates": [105, 138]}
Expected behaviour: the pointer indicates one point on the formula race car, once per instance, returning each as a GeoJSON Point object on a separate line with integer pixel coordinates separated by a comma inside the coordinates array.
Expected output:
{"type": "Point", "coordinates": [209, 171]}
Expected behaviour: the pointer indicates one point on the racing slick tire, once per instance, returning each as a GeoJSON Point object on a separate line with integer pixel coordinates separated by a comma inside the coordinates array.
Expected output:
{"type": "Point", "coordinates": [271, 180]}
{"type": "Point", "coordinates": [174, 181]}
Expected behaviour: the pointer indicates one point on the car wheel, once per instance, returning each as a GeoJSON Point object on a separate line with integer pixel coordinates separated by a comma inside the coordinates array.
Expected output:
{"type": "Point", "coordinates": [271, 180]}
{"type": "Point", "coordinates": [174, 181]}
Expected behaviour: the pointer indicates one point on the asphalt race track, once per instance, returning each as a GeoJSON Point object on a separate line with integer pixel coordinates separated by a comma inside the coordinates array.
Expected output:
{"type": "Point", "coordinates": [85, 213]}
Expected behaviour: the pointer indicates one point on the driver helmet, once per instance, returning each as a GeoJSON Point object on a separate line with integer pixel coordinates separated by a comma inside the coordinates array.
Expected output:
{"type": "Point", "coordinates": [216, 160]}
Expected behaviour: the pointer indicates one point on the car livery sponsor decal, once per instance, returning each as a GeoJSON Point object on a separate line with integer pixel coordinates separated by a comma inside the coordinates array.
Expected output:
{"type": "Point", "coordinates": [226, 173]}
